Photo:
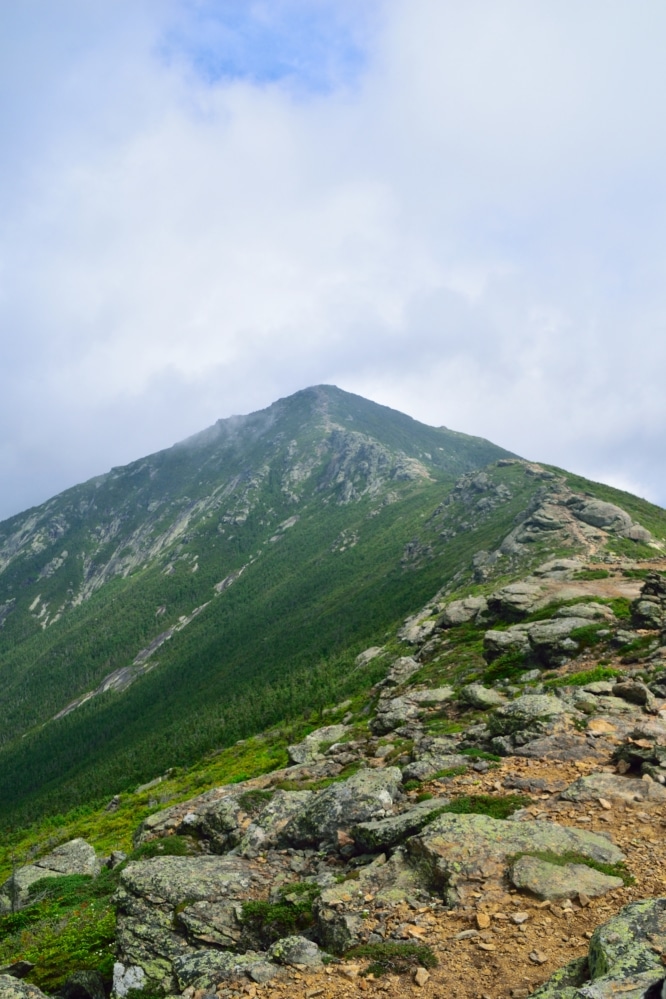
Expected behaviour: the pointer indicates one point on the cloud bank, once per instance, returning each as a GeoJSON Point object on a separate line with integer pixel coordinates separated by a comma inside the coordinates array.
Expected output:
{"type": "Point", "coordinates": [454, 209]}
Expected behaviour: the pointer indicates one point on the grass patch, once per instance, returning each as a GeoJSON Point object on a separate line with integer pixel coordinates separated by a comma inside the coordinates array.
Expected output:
{"type": "Point", "coordinates": [640, 647]}
{"type": "Point", "coordinates": [393, 958]}
{"type": "Point", "coordinates": [485, 804]}
{"type": "Point", "coordinates": [592, 574]}
{"type": "Point", "coordinates": [253, 801]}
{"type": "Point", "coordinates": [583, 678]}
{"type": "Point", "coordinates": [318, 785]}
{"type": "Point", "coordinates": [480, 754]}
{"type": "Point", "coordinates": [70, 926]}
{"type": "Point", "coordinates": [506, 667]}
{"type": "Point", "coordinates": [168, 846]}
{"type": "Point", "coordinates": [618, 870]}
{"type": "Point", "coordinates": [588, 635]}
{"type": "Point", "coordinates": [290, 913]}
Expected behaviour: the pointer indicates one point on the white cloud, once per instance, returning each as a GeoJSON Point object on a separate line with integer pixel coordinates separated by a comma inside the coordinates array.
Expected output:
{"type": "Point", "coordinates": [469, 227]}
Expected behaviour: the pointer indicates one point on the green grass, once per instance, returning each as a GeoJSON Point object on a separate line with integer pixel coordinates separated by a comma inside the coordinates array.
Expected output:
{"type": "Point", "coordinates": [592, 574]}
{"type": "Point", "coordinates": [506, 667]}
{"type": "Point", "coordinates": [393, 958]}
{"type": "Point", "coordinates": [500, 807]}
{"type": "Point", "coordinates": [618, 870]}
{"type": "Point", "coordinates": [69, 927]}
{"type": "Point", "coordinates": [583, 678]}
{"type": "Point", "coordinates": [290, 914]}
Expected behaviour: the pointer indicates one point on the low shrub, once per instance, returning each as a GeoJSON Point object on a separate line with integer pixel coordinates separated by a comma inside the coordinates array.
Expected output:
{"type": "Point", "coordinates": [393, 958]}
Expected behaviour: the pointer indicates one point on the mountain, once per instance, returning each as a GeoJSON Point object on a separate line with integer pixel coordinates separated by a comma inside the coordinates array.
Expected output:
{"type": "Point", "coordinates": [201, 594]}
{"type": "Point", "coordinates": [323, 694]}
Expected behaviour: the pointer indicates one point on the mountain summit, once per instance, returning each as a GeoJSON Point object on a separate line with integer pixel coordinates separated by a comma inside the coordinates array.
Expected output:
{"type": "Point", "coordinates": [202, 593]}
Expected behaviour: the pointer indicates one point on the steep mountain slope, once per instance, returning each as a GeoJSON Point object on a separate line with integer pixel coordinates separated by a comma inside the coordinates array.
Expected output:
{"type": "Point", "coordinates": [205, 593]}
{"type": "Point", "coordinates": [187, 599]}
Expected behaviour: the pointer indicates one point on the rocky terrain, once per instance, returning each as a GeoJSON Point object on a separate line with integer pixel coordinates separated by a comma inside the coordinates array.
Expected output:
{"type": "Point", "coordinates": [487, 822]}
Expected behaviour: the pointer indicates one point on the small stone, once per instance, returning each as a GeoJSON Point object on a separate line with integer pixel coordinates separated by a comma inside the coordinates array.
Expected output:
{"type": "Point", "coordinates": [605, 804]}
{"type": "Point", "coordinates": [538, 957]}
{"type": "Point", "coordinates": [486, 946]}
{"type": "Point", "coordinates": [520, 917]}
{"type": "Point", "coordinates": [583, 900]}
{"type": "Point", "coordinates": [421, 976]}
{"type": "Point", "coordinates": [482, 920]}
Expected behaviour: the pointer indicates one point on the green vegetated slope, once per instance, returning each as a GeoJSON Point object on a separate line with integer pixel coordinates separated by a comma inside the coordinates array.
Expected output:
{"type": "Point", "coordinates": [270, 549]}
{"type": "Point", "coordinates": [299, 534]}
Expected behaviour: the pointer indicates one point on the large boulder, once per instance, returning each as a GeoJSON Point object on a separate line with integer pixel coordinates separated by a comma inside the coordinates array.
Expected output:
{"type": "Point", "coordinates": [169, 907]}
{"type": "Point", "coordinates": [366, 795]}
{"type": "Point", "coordinates": [74, 857]}
{"type": "Point", "coordinates": [383, 834]}
{"type": "Point", "coordinates": [624, 958]}
{"type": "Point", "coordinates": [555, 881]}
{"type": "Point", "coordinates": [609, 786]}
{"type": "Point", "coordinates": [475, 695]}
{"type": "Point", "coordinates": [454, 849]}
{"type": "Point", "coordinates": [13, 988]}
{"type": "Point", "coordinates": [462, 611]}
{"type": "Point", "coordinates": [311, 748]}
{"type": "Point", "coordinates": [525, 712]}
{"type": "Point", "coordinates": [516, 600]}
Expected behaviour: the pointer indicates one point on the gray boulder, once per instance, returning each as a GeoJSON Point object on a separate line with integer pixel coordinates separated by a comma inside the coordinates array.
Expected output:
{"type": "Point", "coordinates": [74, 857]}
{"type": "Point", "coordinates": [458, 848]}
{"type": "Point", "coordinates": [13, 988]}
{"type": "Point", "coordinates": [367, 795]}
{"type": "Point", "coordinates": [475, 695]}
{"type": "Point", "coordinates": [429, 764]}
{"type": "Point", "coordinates": [383, 834]}
{"type": "Point", "coordinates": [553, 882]}
{"type": "Point", "coordinates": [392, 713]}
{"type": "Point", "coordinates": [497, 643]}
{"type": "Point", "coordinates": [622, 959]}
{"type": "Point", "coordinates": [461, 611]}
{"type": "Point", "coordinates": [611, 786]}
{"type": "Point", "coordinates": [296, 950]}
{"type": "Point", "coordinates": [516, 600]}
{"type": "Point", "coordinates": [524, 713]}
{"type": "Point", "coordinates": [309, 750]}
{"type": "Point", "coordinates": [170, 906]}
{"type": "Point", "coordinates": [204, 969]}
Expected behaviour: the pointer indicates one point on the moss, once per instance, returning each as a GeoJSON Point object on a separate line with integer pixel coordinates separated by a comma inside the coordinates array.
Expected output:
{"type": "Point", "coordinates": [583, 678]}
{"type": "Point", "coordinates": [592, 574]}
{"type": "Point", "coordinates": [290, 913]}
{"type": "Point", "coordinates": [480, 754]}
{"type": "Point", "coordinates": [505, 667]}
{"type": "Point", "coordinates": [253, 801]}
{"type": "Point", "coordinates": [393, 958]}
{"type": "Point", "coordinates": [169, 846]}
{"type": "Point", "coordinates": [500, 807]}
{"type": "Point", "coordinates": [618, 870]}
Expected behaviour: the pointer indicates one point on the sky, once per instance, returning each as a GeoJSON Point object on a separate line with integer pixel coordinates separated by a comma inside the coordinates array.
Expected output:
{"type": "Point", "coordinates": [454, 209]}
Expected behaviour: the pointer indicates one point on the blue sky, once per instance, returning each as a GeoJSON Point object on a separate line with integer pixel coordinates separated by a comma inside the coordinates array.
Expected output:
{"type": "Point", "coordinates": [454, 209]}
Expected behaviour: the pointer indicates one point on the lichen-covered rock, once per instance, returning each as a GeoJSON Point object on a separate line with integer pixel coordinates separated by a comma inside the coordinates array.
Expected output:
{"type": "Point", "coordinates": [203, 969]}
{"type": "Point", "coordinates": [14, 988]}
{"type": "Point", "coordinates": [433, 696]}
{"type": "Point", "coordinates": [552, 642]}
{"type": "Point", "coordinates": [455, 848]}
{"type": "Point", "coordinates": [430, 764]}
{"type": "Point", "coordinates": [601, 785]}
{"type": "Point", "coordinates": [296, 950]}
{"type": "Point", "coordinates": [524, 712]}
{"type": "Point", "coordinates": [392, 713]}
{"type": "Point", "coordinates": [484, 698]}
{"type": "Point", "coordinates": [516, 600]}
{"type": "Point", "coordinates": [552, 881]}
{"type": "Point", "coordinates": [385, 833]}
{"type": "Point", "coordinates": [461, 611]}
{"type": "Point", "coordinates": [497, 643]}
{"type": "Point", "coordinates": [74, 857]}
{"type": "Point", "coordinates": [309, 749]}
{"type": "Point", "coordinates": [266, 830]}
{"type": "Point", "coordinates": [366, 795]}
{"type": "Point", "coordinates": [168, 905]}
{"type": "Point", "coordinates": [624, 958]}
{"type": "Point", "coordinates": [636, 693]}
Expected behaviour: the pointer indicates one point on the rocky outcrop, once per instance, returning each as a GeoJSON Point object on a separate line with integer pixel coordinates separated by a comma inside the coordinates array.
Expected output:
{"type": "Point", "coordinates": [74, 857]}
{"type": "Point", "coordinates": [624, 958]}
{"type": "Point", "coordinates": [455, 849]}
